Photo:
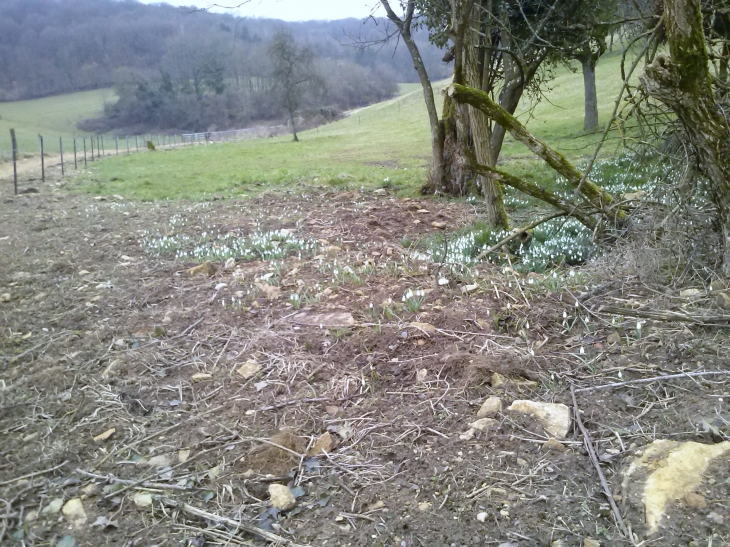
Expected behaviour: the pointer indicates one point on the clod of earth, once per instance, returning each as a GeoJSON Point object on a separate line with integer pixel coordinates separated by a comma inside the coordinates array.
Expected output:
{"type": "Point", "coordinates": [490, 408]}
{"type": "Point", "coordinates": [554, 417]}
{"type": "Point", "coordinates": [554, 445]}
{"type": "Point", "coordinates": [276, 457]}
{"type": "Point", "coordinates": [483, 424]}
{"type": "Point", "coordinates": [426, 328]}
{"type": "Point", "coordinates": [281, 497]}
{"type": "Point", "coordinates": [667, 471]}
{"type": "Point", "coordinates": [325, 320]}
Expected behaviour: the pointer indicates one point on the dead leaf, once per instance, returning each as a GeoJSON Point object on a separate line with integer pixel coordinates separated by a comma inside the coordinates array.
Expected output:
{"type": "Point", "coordinates": [271, 292]}
{"type": "Point", "coordinates": [183, 455]}
{"type": "Point", "coordinates": [103, 522]}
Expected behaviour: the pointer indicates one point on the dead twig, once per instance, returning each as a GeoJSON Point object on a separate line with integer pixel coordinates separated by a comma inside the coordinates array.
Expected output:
{"type": "Point", "coordinates": [596, 464]}
{"type": "Point", "coordinates": [268, 536]}
{"type": "Point", "coordinates": [35, 474]}
{"type": "Point", "coordinates": [517, 232]}
{"type": "Point", "coordinates": [656, 379]}
{"type": "Point", "coordinates": [669, 316]}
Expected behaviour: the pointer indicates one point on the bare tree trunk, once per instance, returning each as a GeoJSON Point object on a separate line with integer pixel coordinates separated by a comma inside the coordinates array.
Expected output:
{"type": "Point", "coordinates": [683, 82]}
{"type": "Point", "coordinates": [437, 139]}
{"type": "Point", "coordinates": [293, 126]}
{"type": "Point", "coordinates": [590, 120]}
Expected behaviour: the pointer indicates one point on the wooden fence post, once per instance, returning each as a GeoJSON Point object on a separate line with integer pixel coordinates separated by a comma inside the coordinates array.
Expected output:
{"type": "Point", "coordinates": [85, 164]}
{"type": "Point", "coordinates": [127, 145]}
{"type": "Point", "coordinates": [136, 142]}
{"type": "Point", "coordinates": [76, 165]}
{"type": "Point", "coordinates": [60, 146]}
{"type": "Point", "coordinates": [43, 160]}
{"type": "Point", "coordinates": [15, 160]}
{"type": "Point", "coordinates": [91, 140]}
{"type": "Point", "coordinates": [116, 143]}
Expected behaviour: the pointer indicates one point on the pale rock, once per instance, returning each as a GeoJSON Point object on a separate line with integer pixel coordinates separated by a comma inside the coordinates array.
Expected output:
{"type": "Point", "coordinates": [249, 369]}
{"type": "Point", "coordinates": [483, 424]}
{"type": "Point", "coordinates": [590, 542]}
{"type": "Point", "coordinates": [142, 499]}
{"type": "Point", "coordinates": [491, 407]}
{"type": "Point", "coordinates": [717, 286]}
{"type": "Point", "coordinates": [5, 297]}
{"type": "Point", "coordinates": [281, 497]}
{"type": "Point", "coordinates": [201, 377]}
{"type": "Point", "coordinates": [500, 381]}
{"type": "Point", "coordinates": [74, 511]}
{"type": "Point", "coordinates": [482, 517]}
{"type": "Point", "coordinates": [425, 506]}
{"type": "Point", "coordinates": [716, 518]}
{"type": "Point", "coordinates": [673, 469]}
{"type": "Point", "coordinates": [421, 375]}
{"type": "Point", "coordinates": [158, 461]}
{"type": "Point", "coordinates": [438, 225]}
{"type": "Point", "coordinates": [53, 507]}
{"type": "Point", "coordinates": [468, 435]}
{"type": "Point", "coordinates": [183, 455]}
{"type": "Point", "coordinates": [614, 339]}
{"type": "Point", "coordinates": [691, 293]}
{"type": "Point", "coordinates": [554, 417]}
{"type": "Point", "coordinates": [325, 320]}
{"type": "Point", "coordinates": [427, 328]}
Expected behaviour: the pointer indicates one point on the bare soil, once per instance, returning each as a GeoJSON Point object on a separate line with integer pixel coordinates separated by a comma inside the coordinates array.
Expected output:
{"type": "Point", "coordinates": [96, 334]}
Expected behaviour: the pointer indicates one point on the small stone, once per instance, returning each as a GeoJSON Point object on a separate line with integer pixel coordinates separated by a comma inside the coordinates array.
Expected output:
{"type": "Point", "coordinates": [690, 293]}
{"type": "Point", "coordinates": [590, 542]}
{"type": "Point", "coordinates": [716, 518]}
{"type": "Point", "coordinates": [718, 285]}
{"type": "Point", "coordinates": [491, 407]}
{"type": "Point", "coordinates": [559, 543]}
{"type": "Point", "coordinates": [53, 507]}
{"type": "Point", "coordinates": [5, 297]}
{"type": "Point", "coordinates": [614, 339]}
{"type": "Point", "coordinates": [500, 381]}
{"type": "Point", "coordinates": [554, 445]}
{"type": "Point", "coordinates": [324, 444]}
{"type": "Point", "coordinates": [468, 435]}
{"type": "Point", "coordinates": [424, 506]}
{"type": "Point", "coordinates": [281, 497]}
{"type": "Point", "coordinates": [482, 517]}
{"type": "Point", "coordinates": [142, 499]}
{"type": "Point", "coordinates": [332, 410]}
{"type": "Point", "coordinates": [554, 417]}
{"type": "Point", "coordinates": [723, 300]}
{"type": "Point", "coordinates": [249, 369]}
{"type": "Point", "coordinates": [439, 225]}
{"type": "Point", "coordinates": [483, 424]}
{"type": "Point", "coordinates": [695, 501]}
{"type": "Point", "coordinates": [201, 377]}
{"type": "Point", "coordinates": [74, 511]}
{"type": "Point", "coordinates": [522, 462]}
{"type": "Point", "coordinates": [208, 268]}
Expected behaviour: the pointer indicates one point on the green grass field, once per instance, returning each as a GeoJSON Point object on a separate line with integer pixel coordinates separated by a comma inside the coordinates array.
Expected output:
{"type": "Point", "coordinates": [386, 144]}
{"type": "Point", "coordinates": [52, 117]}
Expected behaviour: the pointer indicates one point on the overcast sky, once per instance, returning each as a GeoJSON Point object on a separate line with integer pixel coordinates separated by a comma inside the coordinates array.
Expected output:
{"type": "Point", "coordinates": [288, 10]}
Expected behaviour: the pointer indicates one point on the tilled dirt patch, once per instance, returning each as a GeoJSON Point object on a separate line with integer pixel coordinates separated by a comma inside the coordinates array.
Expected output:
{"type": "Point", "coordinates": [140, 405]}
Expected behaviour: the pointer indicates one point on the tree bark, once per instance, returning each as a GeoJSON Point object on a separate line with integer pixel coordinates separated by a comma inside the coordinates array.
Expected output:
{"type": "Point", "coordinates": [590, 120]}
{"type": "Point", "coordinates": [293, 126]}
{"type": "Point", "coordinates": [437, 141]}
{"type": "Point", "coordinates": [495, 213]}
{"type": "Point", "coordinates": [683, 82]}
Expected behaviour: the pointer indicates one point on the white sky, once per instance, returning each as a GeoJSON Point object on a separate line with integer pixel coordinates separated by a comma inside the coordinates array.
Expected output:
{"type": "Point", "coordinates": [288, 10]}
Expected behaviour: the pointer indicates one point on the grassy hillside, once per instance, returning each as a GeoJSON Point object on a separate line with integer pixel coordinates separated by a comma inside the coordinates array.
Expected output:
{"type": "Point", "coordinates": [384, 144]}
{"type": "Point", "coordinates": [51, 117]}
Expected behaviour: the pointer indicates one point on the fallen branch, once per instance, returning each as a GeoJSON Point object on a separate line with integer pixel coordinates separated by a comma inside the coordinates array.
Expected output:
{"type": "Point", "coordinates": [145, 484]}
{"type": "Point", "coordinates": [656, 379]}
{"type": "Point", "coordinates": [259, 532]}
{"type": "Point", "coordinates": [596, 464]}
{"type": "Point", "coordinates": [670, 316]}
{"type": "Point", "coordinates": [517, 232]}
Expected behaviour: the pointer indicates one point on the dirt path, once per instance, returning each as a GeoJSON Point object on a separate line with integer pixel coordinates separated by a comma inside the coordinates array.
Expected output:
{"type": "Point", "coordinates": [125, 380]}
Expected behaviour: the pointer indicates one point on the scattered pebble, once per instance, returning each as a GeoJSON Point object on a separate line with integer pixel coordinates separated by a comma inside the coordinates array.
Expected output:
{"type": "Point", "coordinates": [281, 497]}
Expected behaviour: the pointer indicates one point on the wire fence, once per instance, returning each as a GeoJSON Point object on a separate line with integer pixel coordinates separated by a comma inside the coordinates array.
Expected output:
{"type": "Point", "coordinates": [74, 153]}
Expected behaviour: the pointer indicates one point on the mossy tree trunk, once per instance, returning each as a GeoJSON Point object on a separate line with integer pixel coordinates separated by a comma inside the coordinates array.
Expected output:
{"type": "Point", "coordinates": [588, 62]}
{"type": "Point", "coordinates": [684, 83]}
